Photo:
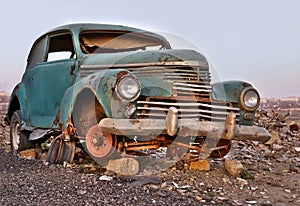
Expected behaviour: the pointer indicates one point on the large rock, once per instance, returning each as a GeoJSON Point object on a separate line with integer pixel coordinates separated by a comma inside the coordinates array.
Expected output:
{"type": "Point", "coordinates": [29, 154]}
{"type": "Point", "coordinates": [124, 166]}
{"type": "Point", "coordinates": [200, 165]}
{"type": "Point", "coordinates": [234, 167]}
{"type": "Point", "coordinates": [274, 138]}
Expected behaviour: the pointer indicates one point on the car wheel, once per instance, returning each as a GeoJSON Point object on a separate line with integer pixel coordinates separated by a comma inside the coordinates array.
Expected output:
{"type": "Point", "coordinates": [18, 139]}
{"type": "Point", "coordinates": [54, 150]}
{"type": "Point", "coordinates": [61, 151]}
{"type": "Point", "coordinates": [67, 152]}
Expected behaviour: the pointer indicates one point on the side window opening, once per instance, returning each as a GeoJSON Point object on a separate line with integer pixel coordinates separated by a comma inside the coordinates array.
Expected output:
{"type": "Point", "coordinates": [60, 47]}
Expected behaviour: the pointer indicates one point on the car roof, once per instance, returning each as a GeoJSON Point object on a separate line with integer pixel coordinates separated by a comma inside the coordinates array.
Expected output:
{"type": "Point", "coordinates": [91, 26]}
{"type": "Point", "coordinates": [78, 27]}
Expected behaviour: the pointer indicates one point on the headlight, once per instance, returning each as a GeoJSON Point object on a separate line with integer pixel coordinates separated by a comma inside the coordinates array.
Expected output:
{"type": "Point", "coordinates": [249, 99]}
{"type": "Point", "coordinates": [128, 88]}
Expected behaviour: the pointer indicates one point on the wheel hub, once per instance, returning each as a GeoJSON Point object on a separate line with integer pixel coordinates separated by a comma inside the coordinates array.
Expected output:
{"type": "Point", "coordinates": [99, 144]}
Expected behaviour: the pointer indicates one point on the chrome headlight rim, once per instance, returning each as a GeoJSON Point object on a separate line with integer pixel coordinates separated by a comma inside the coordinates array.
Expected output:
{"type": "Point", "coordinates": [242, 100]}
{"type": "Point", "coordinates": [119, 92]}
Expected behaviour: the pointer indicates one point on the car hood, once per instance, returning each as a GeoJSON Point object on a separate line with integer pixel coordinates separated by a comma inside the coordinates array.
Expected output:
{"type": "Point", "coordinates": [143, 58]}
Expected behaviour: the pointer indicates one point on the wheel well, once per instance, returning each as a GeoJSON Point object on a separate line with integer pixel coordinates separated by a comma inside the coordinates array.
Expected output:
{"type": "Point", "coordinates": [14, 105]}
{"type": "Point", "coordinates": [87, 111]}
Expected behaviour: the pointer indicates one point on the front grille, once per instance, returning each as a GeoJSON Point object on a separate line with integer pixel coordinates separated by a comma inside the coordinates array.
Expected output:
{"type": "Point", "coordinates": [191, 89]}
{"type": "Point", "coordinates": [209, 111]}
{"type": "Point", "coordinates": [185, 74]}
{"type": "Point", "coordinates": [191, 95]}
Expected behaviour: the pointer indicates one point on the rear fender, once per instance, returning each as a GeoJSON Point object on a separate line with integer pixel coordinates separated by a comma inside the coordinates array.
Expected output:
{"type": "Point", "coordinates": [17, 101]}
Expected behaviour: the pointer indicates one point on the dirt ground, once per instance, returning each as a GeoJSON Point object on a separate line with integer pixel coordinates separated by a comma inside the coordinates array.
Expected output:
{"type": "Point", "coordinates": [271, 176]}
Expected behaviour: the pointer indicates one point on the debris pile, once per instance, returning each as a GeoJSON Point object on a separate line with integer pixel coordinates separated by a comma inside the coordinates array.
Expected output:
{"type": "Point", "coordinates": [283, 147]}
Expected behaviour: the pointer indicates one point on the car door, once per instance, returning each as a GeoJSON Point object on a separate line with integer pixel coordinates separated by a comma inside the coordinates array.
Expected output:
{"type": "Point", "coordinates": [47, 80]}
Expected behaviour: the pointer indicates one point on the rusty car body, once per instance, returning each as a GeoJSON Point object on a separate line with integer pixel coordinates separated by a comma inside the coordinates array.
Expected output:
{"type": "Point", "coordinates": [120, 89]}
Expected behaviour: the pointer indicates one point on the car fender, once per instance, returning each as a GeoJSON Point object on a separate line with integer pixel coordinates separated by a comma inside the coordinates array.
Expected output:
{"type": "Point", "coordinates": [18, 101]}
{"type": "Point", "coordinates": [229, 90]}
{"type": "Point", "coordinates": [101, 83]}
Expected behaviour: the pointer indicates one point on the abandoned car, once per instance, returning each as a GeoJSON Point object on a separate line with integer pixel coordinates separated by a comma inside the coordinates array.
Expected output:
{"type": "Point", "coordinates": [119, 90]}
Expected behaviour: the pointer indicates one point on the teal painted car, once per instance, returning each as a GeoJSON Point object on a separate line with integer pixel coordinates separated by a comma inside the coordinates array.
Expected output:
{"type": "Point", "coordinates": [116, 89]}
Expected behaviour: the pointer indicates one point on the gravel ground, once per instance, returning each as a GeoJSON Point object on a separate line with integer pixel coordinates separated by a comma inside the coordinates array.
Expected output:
{"type": "Point", "coordinates": [30, 182]}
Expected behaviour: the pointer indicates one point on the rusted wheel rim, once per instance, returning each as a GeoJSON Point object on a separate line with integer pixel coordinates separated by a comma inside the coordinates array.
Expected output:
{"type": "Point", "coordinates": [16, 134]}
{"type": "Point", "coordinates": [98, 143]}
{"type": "Point", "coordinates": [54, 150]}
{"type": "Point", "coordinates": [66, 153]}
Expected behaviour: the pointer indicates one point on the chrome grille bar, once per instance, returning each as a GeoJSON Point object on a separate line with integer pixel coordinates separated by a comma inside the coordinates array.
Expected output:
{"type": "Point", "coordinates": [196, 104]}
{"type": "Point", "coordinates": [185, 110]}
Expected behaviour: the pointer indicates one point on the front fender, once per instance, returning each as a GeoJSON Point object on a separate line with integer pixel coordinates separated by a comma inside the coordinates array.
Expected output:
{"type": "Point", "coordinates": [100, 83]}
{"type": "Point", "coordinates": [230, 91]}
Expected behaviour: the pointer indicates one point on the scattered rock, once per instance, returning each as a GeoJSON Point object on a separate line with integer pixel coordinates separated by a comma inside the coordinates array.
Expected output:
{"type": "Point", "coordinates": [234, 167]}
{"type": "Point", "coordinates": [277, 147]}
{"type": "Point", "coordinates": [274, 138]}
{"type": "Point", "coordinates": [242, 182]}
{"type": "Point", "coordinates": [297, 149]}
{"type": "Point", "coordinates": [124, 166]}
{"type": "Point", "coordinates": [146, 180]}
{"type": "Point", "coordinates": [81, 192]}
{"type": "Point", "coordinates": [200, 165]}
{"type": "Point", "coordinates": [29, 154]}
{"type": "Point", "coordinates": [251, 202]}
{"type": "Point", "coordinates": [294, 127]}
{"type": "Point", "coordinates": [105, 178]}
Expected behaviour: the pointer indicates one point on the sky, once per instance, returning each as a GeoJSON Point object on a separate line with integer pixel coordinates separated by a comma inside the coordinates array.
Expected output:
{"type": "Point", "coordinates": [255, 41]}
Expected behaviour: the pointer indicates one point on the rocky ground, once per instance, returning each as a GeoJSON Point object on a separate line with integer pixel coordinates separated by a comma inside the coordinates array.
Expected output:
{"type": "Point", "coordinates": [270, 176]}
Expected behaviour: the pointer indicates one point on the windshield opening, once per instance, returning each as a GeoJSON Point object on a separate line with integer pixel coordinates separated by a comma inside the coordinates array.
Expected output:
{"type": "Point", "coordinates": [111, 42]}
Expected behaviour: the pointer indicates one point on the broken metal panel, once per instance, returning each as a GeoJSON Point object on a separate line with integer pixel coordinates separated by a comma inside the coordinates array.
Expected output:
{"type": "Point", "coordinates": [38, 133]}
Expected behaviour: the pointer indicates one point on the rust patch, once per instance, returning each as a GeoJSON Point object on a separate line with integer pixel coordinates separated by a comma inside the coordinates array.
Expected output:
{"type": "Point", "coordinates": [55, 122]}
{"type": "Point", "coordinates": [72, 69]}
{"type": "Point", "coordinates": [234, 94]}
{"type": "Point", "coordinates": [246, 84]}
{"type": "Point", "coordinates": [120, 74]}
{"type": "Point", "coordinates": [70, 131]}
{"type": "Point", "coordinates": [134, 121]}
